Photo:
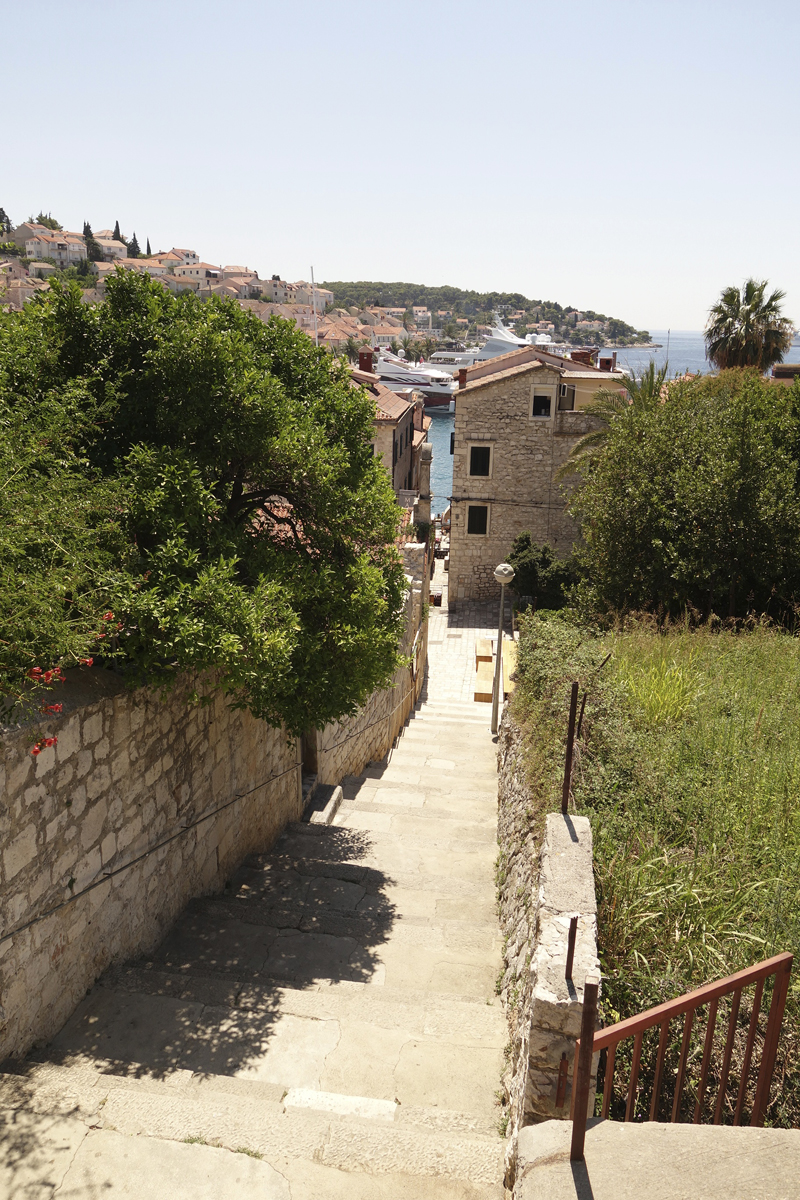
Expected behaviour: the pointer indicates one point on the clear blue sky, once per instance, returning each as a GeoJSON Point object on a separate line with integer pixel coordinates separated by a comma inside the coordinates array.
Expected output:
{"type": "Point", "coordinates": [632, 158]}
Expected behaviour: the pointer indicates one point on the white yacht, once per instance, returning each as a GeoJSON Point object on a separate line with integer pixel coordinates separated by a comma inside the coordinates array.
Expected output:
{"type": "Point", "coordinates": [398, 375]}
{"type": "Point", "coordinates": [452, 360]}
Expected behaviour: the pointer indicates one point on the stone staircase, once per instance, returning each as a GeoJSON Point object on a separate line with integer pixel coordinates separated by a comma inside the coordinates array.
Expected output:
{"type": "Point", "coordinates": [328, 1027]}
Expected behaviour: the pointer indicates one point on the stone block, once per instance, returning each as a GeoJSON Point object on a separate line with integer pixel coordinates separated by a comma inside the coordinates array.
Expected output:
{"type": "Point", "coordinates": [84, 764]}
{"type": "Point", "coordinates": [69, 738]}
{"type": "Point", "coordinates": [92, 824]}
{"type": "Point", "coordinates": [98, 781]}
{"type": "Point", "coordinates": [108, 848]}
{"type": "Point", "coordinates": [92, 729]}
{"type": "Point", "coordinates": [20, 853]}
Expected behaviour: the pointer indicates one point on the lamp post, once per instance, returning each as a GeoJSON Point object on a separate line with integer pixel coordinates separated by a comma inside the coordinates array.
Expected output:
{"type": "Point", "coordinates": [504, 575]}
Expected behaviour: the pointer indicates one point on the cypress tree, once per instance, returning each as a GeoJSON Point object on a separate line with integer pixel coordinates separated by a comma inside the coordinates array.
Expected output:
{"type": "Point", "coordinates": [117, 234]}
{"type": "Point", "coordinates": [133, 247]}
{"type": "Point", "coordinates": [149, 251]}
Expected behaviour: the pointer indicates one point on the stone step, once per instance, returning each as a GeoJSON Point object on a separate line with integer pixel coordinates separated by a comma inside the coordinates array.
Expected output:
{"type": "Point", "coordinates": [447, 1017]}
{"type": "Point", "coordinates": [419, 1045]}
{"type": "Point", "coordinates": [180, 1111]}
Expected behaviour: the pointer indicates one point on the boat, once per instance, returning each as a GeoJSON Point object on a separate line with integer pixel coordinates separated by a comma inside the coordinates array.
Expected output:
{"type": "Point", "coordinates": [398, 375]}
{"type": "Point", "coordinates": [452, 360]}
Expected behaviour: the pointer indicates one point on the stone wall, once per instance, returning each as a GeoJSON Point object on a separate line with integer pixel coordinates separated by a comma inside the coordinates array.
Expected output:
{"type": "Point", "coordinates": [346, 747]}
{"type": "Point", "coordinates": [521, 491]}
{"type": "Point", "coordinates": [545, 877]}
{"type": "Point", "coordinates": [142, 804]}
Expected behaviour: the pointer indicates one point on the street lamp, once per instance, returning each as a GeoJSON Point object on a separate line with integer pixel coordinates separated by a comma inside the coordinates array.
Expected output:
{"type": "Point", "coordinates": [503, 574]}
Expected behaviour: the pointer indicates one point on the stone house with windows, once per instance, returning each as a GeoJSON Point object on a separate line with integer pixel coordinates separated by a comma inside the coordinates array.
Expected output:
{"type": "Point", "coordinates": [400, 435]}
{"type": "Point", "coordinates": [517, 418]}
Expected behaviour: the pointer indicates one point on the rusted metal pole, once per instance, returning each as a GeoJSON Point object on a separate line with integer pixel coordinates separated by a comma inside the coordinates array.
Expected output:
{"type": "Point", "coordinates": [580, 718]}
{"type": "Point", "coordinates": [573, 929]}
{"type": "Point", "coordinates": [582, 1077]}
{"type": "Point", "coordinates": [573, 709]}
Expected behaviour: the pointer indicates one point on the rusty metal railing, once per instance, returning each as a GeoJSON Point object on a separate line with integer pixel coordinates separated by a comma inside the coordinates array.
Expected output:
{"type": "Point", "coordinates": [591, 1041]}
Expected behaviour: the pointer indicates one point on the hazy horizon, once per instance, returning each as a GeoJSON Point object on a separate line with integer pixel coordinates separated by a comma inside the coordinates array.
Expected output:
{"type": "Point", "coordinates": [616, 157]}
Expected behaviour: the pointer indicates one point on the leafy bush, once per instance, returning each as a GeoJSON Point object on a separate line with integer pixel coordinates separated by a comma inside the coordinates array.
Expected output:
{"type": "Point", "coordinates": [540, 574]}
{"type": "Point", "coordinates": [694, 502]}
{"type": "Point", "coordinates": [205, 483]}
{"type": "Point", "coordinates": [688, 766]}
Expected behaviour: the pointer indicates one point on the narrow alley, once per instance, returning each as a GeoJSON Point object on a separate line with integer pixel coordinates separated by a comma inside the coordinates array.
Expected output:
{"type": "Point", "coordinates": [331, 1018]}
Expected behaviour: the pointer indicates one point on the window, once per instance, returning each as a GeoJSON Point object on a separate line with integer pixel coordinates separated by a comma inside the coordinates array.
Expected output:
{"type": "Point", "coordinates": [477, 518]}
{"type": "Point", "coordinates": [541, 406]}
{"type": "Point", "coordinates": [566, 398]}
{"type": "Point", "coordinates": [480, 460]}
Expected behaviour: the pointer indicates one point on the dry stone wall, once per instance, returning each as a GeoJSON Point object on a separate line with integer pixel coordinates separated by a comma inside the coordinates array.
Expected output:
{"type": "Point", "coordinates": [345, 747]}
{"type": "Point", "coordinates": [142, 804]}
{"type": "Point", "coordinates": [545, 877]}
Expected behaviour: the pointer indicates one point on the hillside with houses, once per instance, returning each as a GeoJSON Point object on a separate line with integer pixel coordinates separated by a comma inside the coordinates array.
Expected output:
{"type": "Point", "coordinates": [340, 316]}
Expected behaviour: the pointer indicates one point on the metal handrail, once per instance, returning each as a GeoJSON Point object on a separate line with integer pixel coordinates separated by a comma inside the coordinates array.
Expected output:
{"type": "Point", "coordinates": [686, 1006]}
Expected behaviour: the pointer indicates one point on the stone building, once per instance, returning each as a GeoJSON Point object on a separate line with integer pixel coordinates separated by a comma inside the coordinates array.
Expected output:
{"type": "Point", "coordinates": [401, 434]}
{"type": "Point", "coordinates": [517, 418]}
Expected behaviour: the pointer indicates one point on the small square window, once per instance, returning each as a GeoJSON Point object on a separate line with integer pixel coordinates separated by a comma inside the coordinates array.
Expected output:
{"type": "Point", "coordinates": [541, 406]}
{"type": "Point", "coordinates": [477, 518]}
{"type": "Point", "coordinates": [480, 458]}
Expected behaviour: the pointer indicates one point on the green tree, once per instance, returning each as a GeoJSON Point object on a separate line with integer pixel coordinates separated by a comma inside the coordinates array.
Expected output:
{"type": "Point", "coordinates": [408, 320]}
{"type": "Point", "coordinates": [149, 251]}
{"type": "Point", "coordinates": [540, 574]}
{"type": "Point", "coordinates": [695, 501]}
{"type": "Point", "coordinates": [5, 223]}
{"type": "Point", "coordinates": [747, 328]}
{"type": "Point", "coordinates": [117, 235]}
{"type": "Point", "coordinates": [205, 478]}
{"type": "Point", "coordinates": [94, 251]}
{"type": "Point", "coordinates": [48, 221]}
{"type": "Point", "coordinates": [351, 349]}
{"type": "Point", "coordinates": [640, 395]}
{"type": "Point", "coordinates": [133, 247]}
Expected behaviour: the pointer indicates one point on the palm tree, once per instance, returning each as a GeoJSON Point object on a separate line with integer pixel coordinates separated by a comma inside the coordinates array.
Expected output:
{"type": "Point", "coordinates": [394, 345]}
{"type": "Point", "coordinates": [747, 329]}
{"type": "Point", "coordinates": [351, 349]}
{"type": "Point", "coordinates": [607, 406]}
{"type": "Point", "coordinates": [428, 347]}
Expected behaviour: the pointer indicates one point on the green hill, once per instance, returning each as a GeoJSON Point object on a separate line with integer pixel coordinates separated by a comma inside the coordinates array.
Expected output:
{"type": "Point", "coordinates": [478, 308]}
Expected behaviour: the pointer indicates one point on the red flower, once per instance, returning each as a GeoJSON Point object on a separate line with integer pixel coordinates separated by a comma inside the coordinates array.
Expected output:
{"type": "Point", "coordinates": [55, 708]}
{"type": "Point", "coordinates": [50, 741]}
{"type": "Point", "coordinates": [48, 676]}
{"type": "Point", "coordinates": [101, 635]}
{"type": "Point", "coordinates": [86, 662]}
{"type": "Point", "coordinates": [35, 672]}
{"type": "Point", "coordinates": [109, 616]}
{"type": "Point", "coordinates": [36, 750]}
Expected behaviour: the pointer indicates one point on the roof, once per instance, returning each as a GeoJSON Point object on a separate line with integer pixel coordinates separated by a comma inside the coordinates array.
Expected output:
{"type": "Point", "coordinates": [390, 406]}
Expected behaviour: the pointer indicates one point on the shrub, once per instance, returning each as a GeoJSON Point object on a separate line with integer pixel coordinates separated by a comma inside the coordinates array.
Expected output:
{"type": "Point", "coordinates": [209, 481]}
{"type": "Point", "coordinates": [694, 502]}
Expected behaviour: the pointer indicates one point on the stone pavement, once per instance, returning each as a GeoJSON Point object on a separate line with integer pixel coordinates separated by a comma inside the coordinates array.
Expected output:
{"type": "Point", "coordinates": [659, 1162]}
{"type": "Point", "coordinates": [326, 1028]}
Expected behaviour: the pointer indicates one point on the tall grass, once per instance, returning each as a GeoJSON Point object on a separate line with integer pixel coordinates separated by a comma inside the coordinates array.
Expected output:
{"type": "Point", "coordinates": [690, 771]}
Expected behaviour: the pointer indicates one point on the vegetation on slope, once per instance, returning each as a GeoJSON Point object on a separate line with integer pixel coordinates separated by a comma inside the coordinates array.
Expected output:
{"type": "Point", "coordinates": [185, 488]}
{"type": "Point", "coordinates": [479, 307]}
{"type": "Point", "coordinates": [688, 767]}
